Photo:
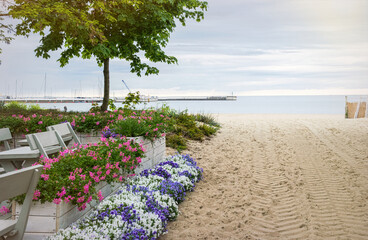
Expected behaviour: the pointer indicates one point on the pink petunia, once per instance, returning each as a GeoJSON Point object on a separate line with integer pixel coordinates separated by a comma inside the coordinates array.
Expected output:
{"type": "Point", "coordinates": [100, 196]}
{"type": "Point", "coordinates": [4, 210]}
{"type": "Point", "coordinates": [86, 188]}
{"type": "Point", "coordinates": [36, 194]}
{"type": "Point", "coordinates": [45, 176]}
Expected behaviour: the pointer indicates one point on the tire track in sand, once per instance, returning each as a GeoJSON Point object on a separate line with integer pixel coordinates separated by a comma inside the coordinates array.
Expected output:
{"type": "Point", "coordinates": [348, 155]}
{"type": "Point", "coordinates": [275, 206]}
{"type": "Point", "coordinates": [286, 182]}
{"type": "Point", "coordinates": [261, 220]}
{"type": "Point", "coordinates": [336, 210]}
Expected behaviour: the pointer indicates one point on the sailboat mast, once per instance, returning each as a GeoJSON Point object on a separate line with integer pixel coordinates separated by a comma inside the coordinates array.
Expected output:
{"type": "Point", "coordinates": [44, 91]}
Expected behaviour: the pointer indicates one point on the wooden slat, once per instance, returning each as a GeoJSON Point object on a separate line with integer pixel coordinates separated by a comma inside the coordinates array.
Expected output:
{"type": "Point", "coordinates": [5, 134]}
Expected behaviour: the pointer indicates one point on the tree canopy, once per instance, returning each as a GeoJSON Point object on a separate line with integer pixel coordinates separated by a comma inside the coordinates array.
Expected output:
{"type": "Point", "coordinates": [106, 29]}
{"type": "Point", "coordinates": [4, 28]}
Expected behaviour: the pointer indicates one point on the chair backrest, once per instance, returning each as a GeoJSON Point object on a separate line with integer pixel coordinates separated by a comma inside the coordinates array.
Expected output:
{"type": "Point", "coordinates": [16, 183]}
{"type": "Point", "coordinates": [61, 128]}
{"type": "Point", "coordinates": [43, 140]}
{"type": "Point", "coordinates": [5, 136]}
{"type": "Point", "coordinates": [65, 129]}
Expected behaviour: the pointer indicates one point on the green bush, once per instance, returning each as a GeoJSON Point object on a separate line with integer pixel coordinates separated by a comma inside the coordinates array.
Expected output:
{"type": "Point", "coordinates": [176, 142]}
{"type": "Point", "coordinates": [207, 119]}
{"type": "Point", "coordinates": [16, 106]}
{"type": "Point", "coordinates": [207, 130]}
{"type": "Point", "coordinates": [130, 127]}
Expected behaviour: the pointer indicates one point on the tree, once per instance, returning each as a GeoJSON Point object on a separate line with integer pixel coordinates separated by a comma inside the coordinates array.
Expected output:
{"type": "Point", "coordinates": [106, 29]}
{"type": "Point", "coordinates": [4, 28]}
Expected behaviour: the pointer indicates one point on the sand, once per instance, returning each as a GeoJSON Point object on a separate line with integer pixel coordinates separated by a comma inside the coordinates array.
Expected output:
{"type": "Point", "coordinates": [279, 177]}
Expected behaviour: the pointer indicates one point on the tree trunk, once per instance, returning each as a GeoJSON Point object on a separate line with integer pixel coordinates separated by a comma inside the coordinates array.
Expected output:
{"type": "Point", "coordinates": [105, 101]}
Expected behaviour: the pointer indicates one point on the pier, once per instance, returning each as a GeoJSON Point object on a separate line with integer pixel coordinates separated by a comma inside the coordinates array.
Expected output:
{"type": "Point", "coordinates": [98, 100]}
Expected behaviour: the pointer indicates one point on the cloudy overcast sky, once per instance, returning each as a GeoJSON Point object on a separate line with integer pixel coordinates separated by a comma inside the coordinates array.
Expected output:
{"type": "Point", "coordinates": [244, 47]}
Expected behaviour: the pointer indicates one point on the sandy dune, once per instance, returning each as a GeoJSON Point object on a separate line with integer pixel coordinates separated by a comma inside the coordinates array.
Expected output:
{"type": "Point", "coordinates": [279, 177]}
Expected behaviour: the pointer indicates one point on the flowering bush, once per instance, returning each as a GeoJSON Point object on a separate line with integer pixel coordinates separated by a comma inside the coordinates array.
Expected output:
{"type": "Point", "coordinates": [141, 208]}
{"type": "Point", "coordinates": [73, 175]}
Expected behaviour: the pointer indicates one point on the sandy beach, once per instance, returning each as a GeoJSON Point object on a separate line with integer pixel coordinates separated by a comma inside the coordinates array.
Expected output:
{"type": "Point", "coordinates": [279, 177]}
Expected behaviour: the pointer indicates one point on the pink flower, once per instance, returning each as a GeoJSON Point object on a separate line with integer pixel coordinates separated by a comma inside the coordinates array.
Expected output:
{"type": "Point", "coordinates": [62, 193]}
{"type": "Point", "coordinates": [4, 210]}
{"type": "Point", "coordinates": [57, 200]}
{"type": "Point", "coordinates": [84, 205]}
{"type": "Point", "coordinates": [97, 123]}
{"type": "Point", "coordinates": [86, 188]}
{"type": "Point", "coordinates": [47, 166]}
{"type": "Point", "coordinates": [80, 199]}
{"type": "Point", "coordinates": [156, 129]}
{"type": "Point", "coordinates": [45, 176]}
{"type": "Point", "coordinates": [36, 194]}
{"type": "Point", "coordinates": [40, 122]}
{"type": "Point", "coordinates": [100, 196]}
{"type": "Point", "coordinates": [34, 115]}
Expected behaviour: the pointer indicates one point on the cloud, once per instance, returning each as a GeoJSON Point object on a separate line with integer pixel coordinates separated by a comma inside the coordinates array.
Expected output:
{"type": "Point", "coordinates": [245, 47]}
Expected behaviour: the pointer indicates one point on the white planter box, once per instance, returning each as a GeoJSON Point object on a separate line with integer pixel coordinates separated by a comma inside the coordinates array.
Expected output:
{"type": "Point", "coordinates": [155, 152]}
{"type": "Point", "coordinates": [47, 218]}
{"type": "Point", "coordinates": [92, 137]}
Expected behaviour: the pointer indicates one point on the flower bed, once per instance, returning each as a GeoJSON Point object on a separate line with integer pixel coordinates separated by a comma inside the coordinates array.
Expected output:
{"type": "Point", "coordinates": [73, 175]}
{"type": "Point", "coordinates": [142, 207]}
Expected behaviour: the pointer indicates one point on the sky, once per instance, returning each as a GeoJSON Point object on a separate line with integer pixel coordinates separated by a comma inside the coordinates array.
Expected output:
{"type": "Point", "coordinates": [242, 47]}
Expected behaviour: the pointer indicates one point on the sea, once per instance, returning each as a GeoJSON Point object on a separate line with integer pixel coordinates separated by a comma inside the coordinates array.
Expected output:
{"type": "Point", "coordinates": [243, 105]}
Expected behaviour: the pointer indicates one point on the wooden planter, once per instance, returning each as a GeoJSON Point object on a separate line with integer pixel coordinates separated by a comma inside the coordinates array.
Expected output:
{"type": "Point", "coordinates": [155, 152]}
{"type": "Point", "coordinates": [47, 218]}
{"type": "Point", "coordinates": [92, 137]}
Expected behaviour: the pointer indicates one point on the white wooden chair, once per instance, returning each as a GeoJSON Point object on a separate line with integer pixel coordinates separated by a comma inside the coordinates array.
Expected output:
{"type": "Point", "coordinates": [66, 132]}
{"type": "Point", "coordinates": [64, 129]}
{"type": "Point", "coordinates": [43, 143]}
{"type": "Point", "coordinates": [5, 136]}
{"type": "Point", "coordinates": [13, 184]}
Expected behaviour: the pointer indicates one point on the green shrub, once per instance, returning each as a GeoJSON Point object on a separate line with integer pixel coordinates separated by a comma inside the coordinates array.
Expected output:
{"type": "Point", "coordinates": [194, 134]}
{"type": "Point", "coordinates": [16, 106]}
{"type": "Point", "coordinates": [207, 130]}
{"type": "Point", "coordinates": [177, 142]}
{"type": "Point", "coordinates": [130, 127]}
{"type": "Point", "coordinates": [207, 119]}
{"type": "Point", "coordinates": [34, 107]}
